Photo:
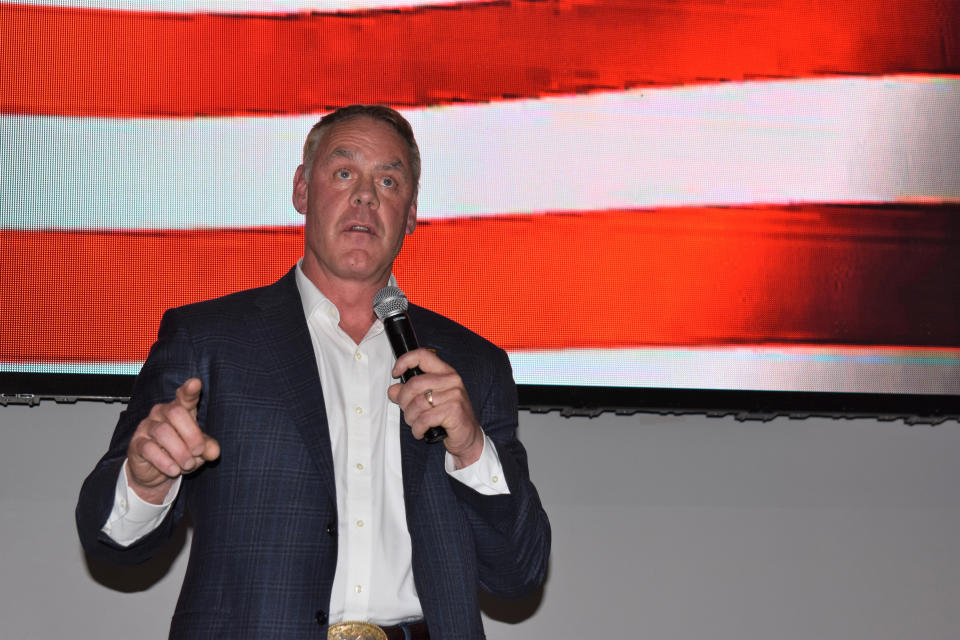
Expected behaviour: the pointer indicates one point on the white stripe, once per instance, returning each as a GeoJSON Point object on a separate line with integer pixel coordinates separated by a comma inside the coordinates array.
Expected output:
{"type": "Point", "coordinates": [830, 140]}
{"type": "Point", "coordinates": [245, 7]}
{"type": "Point", "coordinates": [101, 367]}
{"type": "Point", "coordinates": [759, 368]}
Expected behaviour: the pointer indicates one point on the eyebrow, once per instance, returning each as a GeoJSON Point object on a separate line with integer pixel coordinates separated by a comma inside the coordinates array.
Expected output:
{"type": "Point", "coordinates": [396, 164]}
{"type": "Point", "coordinates": [340, 152]}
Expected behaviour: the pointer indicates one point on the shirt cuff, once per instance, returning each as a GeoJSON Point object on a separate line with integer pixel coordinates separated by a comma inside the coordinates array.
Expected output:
{"type": "Point", "coordinates": [485, 476]}
{"type": "Point", "coordinates": [132, 517]}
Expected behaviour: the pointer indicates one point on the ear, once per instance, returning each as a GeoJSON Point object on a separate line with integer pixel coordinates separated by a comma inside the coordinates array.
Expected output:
{"type": "Point", "coordinates": [412, 216]}
{"type": "Point", "coordinates": [300, 190]}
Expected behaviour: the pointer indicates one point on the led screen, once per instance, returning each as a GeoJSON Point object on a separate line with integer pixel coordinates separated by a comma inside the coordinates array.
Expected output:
{"type": "Point", "coordinates": [737, 196]}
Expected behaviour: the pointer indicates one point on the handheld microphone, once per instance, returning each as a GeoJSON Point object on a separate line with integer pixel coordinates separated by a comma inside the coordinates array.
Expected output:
{"type": "Point", "coordinates": [390, 305]}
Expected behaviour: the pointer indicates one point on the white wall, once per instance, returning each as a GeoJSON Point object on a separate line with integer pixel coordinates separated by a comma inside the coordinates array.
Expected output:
{"type": "Point", "coordinates": [676, 528]}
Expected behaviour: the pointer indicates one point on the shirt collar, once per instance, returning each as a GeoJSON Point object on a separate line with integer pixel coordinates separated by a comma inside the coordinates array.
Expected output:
{"type": "Point", "coordinates": [313, 299]}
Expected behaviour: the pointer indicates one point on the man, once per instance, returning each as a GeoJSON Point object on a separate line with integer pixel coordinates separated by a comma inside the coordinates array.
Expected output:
{"type": "Point", "coordinates": [274, 417]}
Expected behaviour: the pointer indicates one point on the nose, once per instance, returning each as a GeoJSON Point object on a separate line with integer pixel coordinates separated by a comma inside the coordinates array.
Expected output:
{"type": "Point", "coordinates": [365, 194]}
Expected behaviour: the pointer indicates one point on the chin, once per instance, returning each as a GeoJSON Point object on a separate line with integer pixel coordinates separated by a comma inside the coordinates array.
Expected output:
{"type": "Point", "coordinates": [362, 271]}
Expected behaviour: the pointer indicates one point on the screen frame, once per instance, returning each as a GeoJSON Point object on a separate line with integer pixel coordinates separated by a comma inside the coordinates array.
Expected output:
{"type": "Point", "coordinates": [32, 388]}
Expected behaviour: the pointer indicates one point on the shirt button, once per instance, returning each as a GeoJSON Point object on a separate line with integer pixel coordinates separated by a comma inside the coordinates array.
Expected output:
{"type": "Point", "coordinates": [359, 523]}
{"type": "Point", "coordinates": [359, 466]}
{"type": "Point", "coordinates": [358, 355]}
{"type": "Point", "coordinates": [123, 503]}
{"type": "Point", "coordinates": [359, 411]}
{"type": "Point", "coordinates": [358, 588]}
{"type": "Point", "coordinates": [495, 478]}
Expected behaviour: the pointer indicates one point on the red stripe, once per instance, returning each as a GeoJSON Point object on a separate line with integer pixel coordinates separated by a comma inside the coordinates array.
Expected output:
{"type": "Point", "coordinates": [88, 62]}
{"type": "Point", "coordinates": [804, 274]}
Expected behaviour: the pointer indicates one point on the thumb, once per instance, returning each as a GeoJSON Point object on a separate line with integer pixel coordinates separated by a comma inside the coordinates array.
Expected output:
{"type": "Point", "coordinates": [211, 448]}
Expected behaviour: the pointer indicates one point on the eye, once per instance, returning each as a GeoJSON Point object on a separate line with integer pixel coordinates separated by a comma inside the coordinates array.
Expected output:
{"type": "Point", "coordinates": [389, 182]}
{"type": "Point", "coordinates": [343, 174]}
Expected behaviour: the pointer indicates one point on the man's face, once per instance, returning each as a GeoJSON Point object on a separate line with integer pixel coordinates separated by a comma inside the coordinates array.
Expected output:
{"type": "Point", "coordinates": [359, 203]}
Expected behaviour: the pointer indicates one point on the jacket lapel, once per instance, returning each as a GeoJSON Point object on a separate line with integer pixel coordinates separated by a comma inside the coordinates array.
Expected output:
{"type": "Point", "coordinates": [413, 461]}
{"type": "Point", "coordinates": [415, 453]}
{"type": "Point", "coordinates": [290, 355]}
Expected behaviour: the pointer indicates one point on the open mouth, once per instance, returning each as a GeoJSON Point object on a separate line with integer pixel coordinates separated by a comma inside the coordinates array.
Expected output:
{"type": "Point", "coordinates": [360, 228]}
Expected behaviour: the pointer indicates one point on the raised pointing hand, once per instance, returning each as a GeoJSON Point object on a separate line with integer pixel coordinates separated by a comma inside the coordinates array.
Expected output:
{"type": "Point", "coordinates": [168, 443]}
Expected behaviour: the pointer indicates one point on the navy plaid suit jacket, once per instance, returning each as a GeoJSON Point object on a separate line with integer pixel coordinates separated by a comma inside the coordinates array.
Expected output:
{"type": "Point", "coordinates": [264, 545]}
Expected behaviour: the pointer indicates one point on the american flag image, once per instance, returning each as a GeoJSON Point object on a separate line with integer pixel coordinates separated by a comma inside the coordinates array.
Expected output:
{"type": "Point", "coordinates": [665, 193]}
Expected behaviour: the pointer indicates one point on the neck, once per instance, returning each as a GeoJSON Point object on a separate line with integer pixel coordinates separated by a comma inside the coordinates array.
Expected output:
{"type": "Point", "coordinates": [353, 299]}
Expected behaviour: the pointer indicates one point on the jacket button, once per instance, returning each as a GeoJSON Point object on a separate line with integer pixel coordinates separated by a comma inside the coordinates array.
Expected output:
{"type": "Point", "coordinates": [321, 617]}
{"type": "Point", "coordinates": [331, 530]}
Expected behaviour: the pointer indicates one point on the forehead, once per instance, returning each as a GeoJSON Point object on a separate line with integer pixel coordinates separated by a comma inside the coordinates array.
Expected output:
{"type": "Point", "coordinates": [365, 138]}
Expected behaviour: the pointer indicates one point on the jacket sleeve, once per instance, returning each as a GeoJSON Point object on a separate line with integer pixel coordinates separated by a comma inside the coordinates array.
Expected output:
{"type": "Point", "coordinates": [511, 532]}
{"type": "Point", "coordinates": [168, 365]}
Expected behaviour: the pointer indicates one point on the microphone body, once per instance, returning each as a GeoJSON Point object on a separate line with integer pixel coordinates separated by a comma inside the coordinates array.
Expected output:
{"type": "Point", "coordinates": [390, 304]}
{"type": "Point", "coordinates": [402, 338]}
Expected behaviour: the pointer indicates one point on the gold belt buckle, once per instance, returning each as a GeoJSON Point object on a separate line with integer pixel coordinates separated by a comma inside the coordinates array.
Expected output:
{"type": "Point", "coordinates": [355, 631]}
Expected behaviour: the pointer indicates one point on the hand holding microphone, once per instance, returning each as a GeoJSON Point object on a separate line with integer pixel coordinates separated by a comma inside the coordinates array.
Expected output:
{"type": "Point", "coordinates": [432, 396]}
{"type": "Point", "coordinates": [390, 304]}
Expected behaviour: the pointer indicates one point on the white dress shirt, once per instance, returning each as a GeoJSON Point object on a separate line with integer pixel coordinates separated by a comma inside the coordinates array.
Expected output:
{"type": "Point", "coordinates": [374, 577]}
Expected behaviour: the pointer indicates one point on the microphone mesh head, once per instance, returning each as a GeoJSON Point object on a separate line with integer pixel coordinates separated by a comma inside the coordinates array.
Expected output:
{"type": "Point", "coordinates": [388, 302]}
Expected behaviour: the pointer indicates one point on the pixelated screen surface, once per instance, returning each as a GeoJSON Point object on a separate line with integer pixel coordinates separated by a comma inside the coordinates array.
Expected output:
{"type": "Point", "coordinates": [677, 195]}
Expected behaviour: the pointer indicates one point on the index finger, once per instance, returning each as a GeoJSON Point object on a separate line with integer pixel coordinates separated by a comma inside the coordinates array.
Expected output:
{"type": "Point", "coordinates": [426, 359]}
{"type": "Point", "coordinates": [188, 394]}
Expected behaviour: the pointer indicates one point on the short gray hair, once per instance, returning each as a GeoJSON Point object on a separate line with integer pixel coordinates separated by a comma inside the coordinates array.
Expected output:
{"type": "Point", "coordinates": [376, 112]}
